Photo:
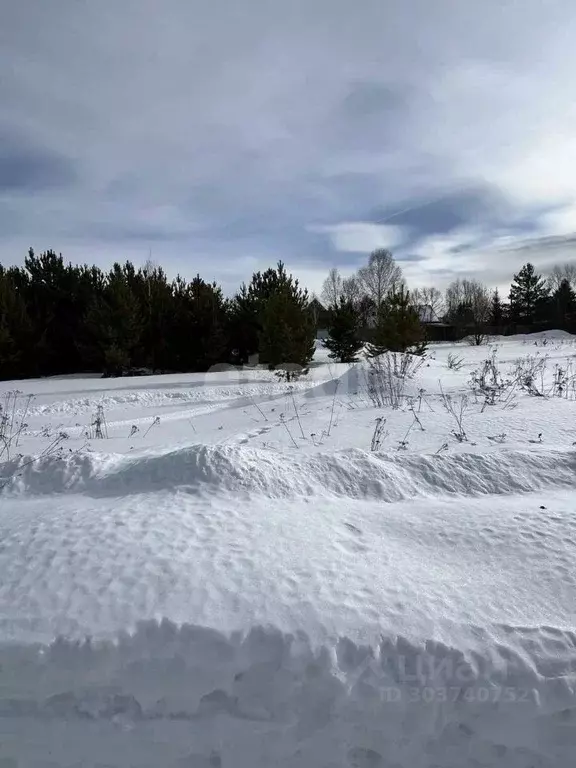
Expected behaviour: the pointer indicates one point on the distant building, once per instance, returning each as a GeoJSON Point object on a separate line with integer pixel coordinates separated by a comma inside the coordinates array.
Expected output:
{"type": "Point", "coordinates": [436, 328]}
{"type": "Point", "coordinates": [426, 314]}
{"type": "Point", "coordinates": [316, 308]}
{"type": "Point", "coordinates": [321, 317]}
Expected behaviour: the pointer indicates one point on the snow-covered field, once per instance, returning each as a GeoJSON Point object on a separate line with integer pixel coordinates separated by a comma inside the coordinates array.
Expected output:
{"type": "Point", "coordinates": [231, 577]}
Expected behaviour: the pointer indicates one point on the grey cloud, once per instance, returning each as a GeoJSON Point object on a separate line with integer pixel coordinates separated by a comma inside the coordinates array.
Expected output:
{"type": "Point", "coordinates": [408, 257]}
{"type": "Point", "coordinates": [367, 99]}
{"type": "Point", "coordinates": [470, 206]}
{"type": "Point", "coordinates": [539, 244]}
{"type": "Point", "coordinates": [111, 232]}
{"type": "Point", "coordinates": [445, 211]}
{"type": "Point", "coordinates": [26, 166]}
{"type": "Point", "coordinates": [255, 122]}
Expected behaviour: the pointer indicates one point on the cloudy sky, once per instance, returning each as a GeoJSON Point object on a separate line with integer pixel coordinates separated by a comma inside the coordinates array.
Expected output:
{"type": "Point", "coordinates": [223, 135]}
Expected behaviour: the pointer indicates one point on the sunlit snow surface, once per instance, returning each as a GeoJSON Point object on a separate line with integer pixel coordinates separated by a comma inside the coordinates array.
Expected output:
{"type": "Point", "coordinates": [244, 583]}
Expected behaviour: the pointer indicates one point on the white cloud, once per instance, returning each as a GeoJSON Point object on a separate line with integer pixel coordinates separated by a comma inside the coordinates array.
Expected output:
{"type": "Point", "coordinates": [361, 236]}
{"type": "Point", "coordinates": [492, 259]}
{"type": "Point", "coordinates": [513, 126]}
{"type": "Point", "coordinates": [559, 222]}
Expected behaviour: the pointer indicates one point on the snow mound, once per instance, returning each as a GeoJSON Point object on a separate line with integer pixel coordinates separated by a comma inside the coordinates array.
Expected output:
{"type": "Point", "coordinates": [236, 469]}
{"type": "Point", "coordinates": [555, 334]}
{"type": "Point", "coordinates": [190, 696]}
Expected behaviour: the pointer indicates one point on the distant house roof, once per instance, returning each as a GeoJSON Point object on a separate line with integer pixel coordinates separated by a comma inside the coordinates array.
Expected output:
{"type": "Point", "coordinates": [426, 314]}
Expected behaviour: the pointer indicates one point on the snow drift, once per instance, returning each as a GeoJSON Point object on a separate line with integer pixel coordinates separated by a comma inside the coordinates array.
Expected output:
{"type": "Point", "coordinates": [193, 697]}
{"type": "Point", "coordinates": [356, 474]}
{"type": "Point", "coordinates": [469, 657]}
{"type": "Point", "coordinates": [207, 596]}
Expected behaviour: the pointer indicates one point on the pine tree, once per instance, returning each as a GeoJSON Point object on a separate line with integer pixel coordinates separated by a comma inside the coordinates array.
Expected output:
{"type": "Point", "coordinates": [252, 328]}
{"type": "Point", "coordinates": [17, 336]}
{"type": "Point", "coordinates": [343, 341]}
{"type": "Point", "coordinates": [287, 334]}
{"type": "Point", "coordinates": [155, 299]}
{"type": "Point", "coordinates": [207, 331]}
{"type": "Point", "coordinates": [366, 309]}
{"type": "Point", "coordinates": [112, 326]}
{"type": "Point", "coordinates": [398, 327]}
{"type": "Point", "coordinates": [9, 352]}
{"type": "Point", "coordinates": [528, 294]}
{"type": "Point", "coordinates": [56, 296]}
{"type": "Point", "coordinates": [274, 336]}
{"type": "Point", "coordinates": [247, 308]}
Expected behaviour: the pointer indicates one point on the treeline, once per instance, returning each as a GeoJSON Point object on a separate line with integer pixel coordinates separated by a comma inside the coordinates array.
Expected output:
{"type": "Point", "coordinates": [58, 318]}
{"type": "Point", "coordinates": [375, 304]}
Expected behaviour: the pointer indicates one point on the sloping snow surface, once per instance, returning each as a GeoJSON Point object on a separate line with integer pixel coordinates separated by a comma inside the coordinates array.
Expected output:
{"type": "Point", "coordinates": [230, 577]}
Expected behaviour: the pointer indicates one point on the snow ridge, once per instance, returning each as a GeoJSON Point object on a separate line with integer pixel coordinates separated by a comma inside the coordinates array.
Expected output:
{"type": "Point", "coordinates": [224, 469]}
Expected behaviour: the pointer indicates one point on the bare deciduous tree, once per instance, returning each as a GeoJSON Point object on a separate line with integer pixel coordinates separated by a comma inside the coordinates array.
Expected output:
{"type": "Point", "coordinates": [352, 290]}
{"type": "Point", "coordinates": [332, 288]}
{"type": "Point", "coordinates": [468, 305]}
{"type": "Point", "coordinates": [380, 276]}
{"type": "Point", "coordinates": [471, 292]}
{"type": "Point", "coordinates": [562, 272]}
{"type": "Point", "coordinates": [430, 298]}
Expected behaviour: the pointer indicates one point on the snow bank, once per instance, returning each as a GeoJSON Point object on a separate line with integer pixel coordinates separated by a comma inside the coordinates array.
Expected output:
{"type": "Point", "coordinates": [240, 470]}
{"type": "Point", "coordinates": [193, 697]}
{"type": "Point", "coordinates": [554, 335]}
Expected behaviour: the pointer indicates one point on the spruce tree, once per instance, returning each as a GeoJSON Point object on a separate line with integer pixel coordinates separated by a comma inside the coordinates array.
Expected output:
{"type": "Point", "coordinates": [563, 303]}
{"type": "Point", "coordinates": [343, 341]}
{"type": "Point", "coordinates": [398, 328]}
{"type": "Point", "coordinates": [528, 294]}
{"type": "Point", "coordinates": [497, 310]}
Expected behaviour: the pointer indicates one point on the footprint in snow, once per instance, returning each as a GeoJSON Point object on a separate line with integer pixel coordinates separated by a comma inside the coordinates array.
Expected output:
{"type": "Point", "coordinates": [353, 528]}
